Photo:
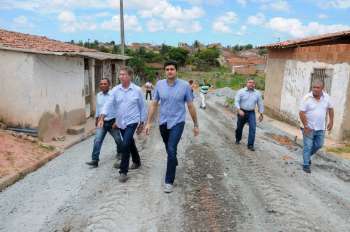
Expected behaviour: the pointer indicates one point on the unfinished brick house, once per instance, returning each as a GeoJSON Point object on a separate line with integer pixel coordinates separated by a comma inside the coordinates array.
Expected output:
{"type": "Point", "coordinates": [293, 65]}
{"type": "Point", "coordinates": [48, 85]}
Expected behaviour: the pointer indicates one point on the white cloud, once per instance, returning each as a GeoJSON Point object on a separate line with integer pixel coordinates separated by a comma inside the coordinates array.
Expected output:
{"type": "Point", "coordinates": [165, 10]}
{"type": "Point", "coordinates": [279, 5]}
{"type": "Point", "coordinates": [295, 28]}
{"type": "Point", "coordinates": [70, 23]}
{"type": "Point", "coordinates": [131, 23]}
{"type": "Point", "coordinates": [340, 4]}
{"type": "Point", "coordinates": [176, 18]}
{"type": "Point", "coordinates": [22, 22]}
{"type": "Point", "coordinates": [224, 22]}
{"type": "Point", "coordinates": [242, 2]}
{"type": "Point", "coordinates": [155, 25]}
{"type": "Point", "coordinates": [323, 16]}
{"type": "Point", "coordinates": [184, 27]}
{"type": "Point", "coordinates": [242, 30]}
{"type": "Point", "coordinates": [257, 19]}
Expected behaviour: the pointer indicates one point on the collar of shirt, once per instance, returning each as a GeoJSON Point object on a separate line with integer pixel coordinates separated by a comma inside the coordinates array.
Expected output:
{"type": "Point", "coordinates": [175, 82]}
{"type": "Point", "coordinates": [246, 89]}
{"type": "Point", "coordinates": [131, 86]}
{"type": "Point", "coordinates": [312, 95]}
{"type": "Point", "coordinates": [107, 93]}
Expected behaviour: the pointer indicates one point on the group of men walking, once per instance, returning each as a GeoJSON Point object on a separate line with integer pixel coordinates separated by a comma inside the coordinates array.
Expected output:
{"type": "Point", "coordinates": [122, 112]}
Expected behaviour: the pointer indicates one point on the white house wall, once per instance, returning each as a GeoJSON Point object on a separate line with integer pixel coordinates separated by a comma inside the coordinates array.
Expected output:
{"type": "Point", "coordinates": [297, 78]}
{"type": "Point", "coordinates": [32, 85]}
{"type": "Point", "coordinates": [58, 85]}
{"type": "Point", "coordinates": [15, 77]}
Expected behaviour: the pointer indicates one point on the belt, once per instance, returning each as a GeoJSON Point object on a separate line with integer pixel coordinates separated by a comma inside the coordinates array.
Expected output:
{"type": "Point", "coordinates": [248, 110]}
{"type": "Point", "coordinates": [111, 120]}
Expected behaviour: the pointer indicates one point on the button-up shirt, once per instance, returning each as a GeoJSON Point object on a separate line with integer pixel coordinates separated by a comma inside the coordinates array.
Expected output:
{"type": "Point", "coordinates": [129, 105]}
{"type": "Point", "coordinates": [101, 99]}
{"type": "Point", "coordinates": [247, 100]}
{"type": "Point", "coordinates": [316, 110]}
{"type": "Point", "coordinates": [172, 101]}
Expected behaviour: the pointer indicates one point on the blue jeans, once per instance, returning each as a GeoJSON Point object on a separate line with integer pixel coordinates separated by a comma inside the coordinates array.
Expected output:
{"type": "Point", "coordinates": [312, 143]}
{"type": "Point", "coordinates": [249, 116]}
{"type": "Point", "coordinates": [129, 146]}
{"type": "Point", "coordinates": [100, 136]}
{"type": "Point", "coordinates": [171, 138]}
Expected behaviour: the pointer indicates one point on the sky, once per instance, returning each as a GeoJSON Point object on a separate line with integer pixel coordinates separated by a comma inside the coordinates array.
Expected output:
{"type": "Point", "coordinates": [228, 22]}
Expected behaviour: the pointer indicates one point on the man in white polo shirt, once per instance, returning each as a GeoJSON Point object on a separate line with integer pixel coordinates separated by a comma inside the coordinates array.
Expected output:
{"type": "Point", "coordinates": [313, 115]}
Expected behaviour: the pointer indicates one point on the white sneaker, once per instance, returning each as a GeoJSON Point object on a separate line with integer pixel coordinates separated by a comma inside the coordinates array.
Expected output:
{"type": "Point", "coordinates": [168, 188]}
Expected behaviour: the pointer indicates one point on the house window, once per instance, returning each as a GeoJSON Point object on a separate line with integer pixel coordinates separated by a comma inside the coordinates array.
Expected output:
{"type": "Point", "coordinates": [324, 75]}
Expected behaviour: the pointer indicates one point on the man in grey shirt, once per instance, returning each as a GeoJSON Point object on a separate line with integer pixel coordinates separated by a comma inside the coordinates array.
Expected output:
{"type": "Point", "coordinates": [245, 102]}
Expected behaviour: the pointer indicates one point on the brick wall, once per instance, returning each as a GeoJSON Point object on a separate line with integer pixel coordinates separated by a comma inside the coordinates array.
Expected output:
{"type": "Point", "coordinates": [332, 54]}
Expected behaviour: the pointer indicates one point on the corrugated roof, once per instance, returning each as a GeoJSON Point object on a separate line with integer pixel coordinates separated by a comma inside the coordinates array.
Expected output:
{"type": "Point", "coordinates": [20, 42]}
{"type": "Point", "coordinates": [309, 40]}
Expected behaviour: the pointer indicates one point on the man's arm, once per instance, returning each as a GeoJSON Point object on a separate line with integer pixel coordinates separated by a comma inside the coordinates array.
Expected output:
{"type": "Point", "coordinates": [152, 109]}
{"type": "Point", "coordinates": [193, 114]}
{"type": "Point", "coordinates": [260, 107]}
{"type": "Point", "coordinates": [303, 120]}
{"type": "Point", "coordinates": [143, 113]}
{"type": "Point", "coordinates": [331, 118]}
{"type": "Point", "coordinates": [105, 110]}
{"type": "Point", "coordinates": [237, 104]}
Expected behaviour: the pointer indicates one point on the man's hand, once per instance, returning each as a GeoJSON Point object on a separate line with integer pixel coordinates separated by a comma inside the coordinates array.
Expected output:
{"type": "Point", "coordinates": [196, 131]}
{"type": "Point", "coordinates": [261, 117]}
{"type": "Point", "coordinates": [241, 113]}
{"type": "Point", "coordinates": [100, 123]}
{"type": "Point", "coordinates": [307, 130]}
{"type": "Point", "coordinates": [140, 128]}
{"type": "Point", "coordinates": [114, 126]}
{"type": "Point", "coordinates": [148, 128]}
{"type": "Point", "coordinates": [330, 126]}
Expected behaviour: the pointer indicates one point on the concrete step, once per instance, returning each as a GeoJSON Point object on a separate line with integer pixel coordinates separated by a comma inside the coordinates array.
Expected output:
{"type": "Point", "coordinates": [75, 130]}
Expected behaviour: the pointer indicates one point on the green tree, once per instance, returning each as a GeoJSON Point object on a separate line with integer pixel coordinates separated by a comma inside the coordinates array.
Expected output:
{"type": "Point", "coordinates": [179, 55]}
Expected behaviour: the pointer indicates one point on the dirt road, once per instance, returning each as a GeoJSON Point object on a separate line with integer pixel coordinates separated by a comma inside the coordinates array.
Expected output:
{"type": "Point", "coordinates": [220, 186]}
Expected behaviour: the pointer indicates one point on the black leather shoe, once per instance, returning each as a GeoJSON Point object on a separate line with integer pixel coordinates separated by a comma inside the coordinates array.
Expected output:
{"type": "Point", "coordinates": [135, 166]}
{"type": "Point", "coordinates": [251, 148]}
{"type": "Point", "coordinates": [93, 163]}
{"type": "Point", "coordinates": [306, 169]}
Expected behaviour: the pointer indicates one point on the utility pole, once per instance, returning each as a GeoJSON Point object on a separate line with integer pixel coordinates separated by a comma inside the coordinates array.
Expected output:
{"type": "Point", "coordinates": [122, 38]}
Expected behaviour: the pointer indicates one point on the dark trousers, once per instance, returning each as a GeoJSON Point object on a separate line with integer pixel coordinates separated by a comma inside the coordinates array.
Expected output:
{"type": "Point", "coordinates": [171, 138]}
{"type": "Point", "coordinates": [148, 92]}
{"type": "Point", "coordinates": [249, 117]}
{"type": "Point", "coordinates": [128, 146]}
{"type": "Point", "coordinates": [100, 136]}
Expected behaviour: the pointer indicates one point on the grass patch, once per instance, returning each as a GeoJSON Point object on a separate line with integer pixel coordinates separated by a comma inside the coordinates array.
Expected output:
{"type": "Point", "coordinates": [220, 78]}
{"type": "Point", "coordinates": [230, 102]}
{"type": "Point", "coordinates": [338, 150]}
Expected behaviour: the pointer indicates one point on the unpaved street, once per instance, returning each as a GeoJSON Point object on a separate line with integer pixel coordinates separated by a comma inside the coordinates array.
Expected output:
{"type": "Point", "coordinates": [220, 186]}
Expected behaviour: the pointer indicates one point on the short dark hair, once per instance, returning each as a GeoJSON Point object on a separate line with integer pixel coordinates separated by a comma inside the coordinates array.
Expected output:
{"type": "Point", "coordinates": [190, 81]}
{"type": "Point", "coordinates": [106, 79]}
{"type": "Point", "coordinates": [128, 70]}
{"type": "Point", "coordinates": [170, 62]}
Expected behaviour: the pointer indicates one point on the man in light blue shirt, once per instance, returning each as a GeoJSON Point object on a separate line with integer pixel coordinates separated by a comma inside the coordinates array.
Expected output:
{"type": "Point", "coordinates": [109, 120]}
{"type": "Point", "coordinates": [245, 102]}
{"type": "Point", "coordinates": [130, 112]}
{"type": "Point", "coordinates": [173, 94]}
